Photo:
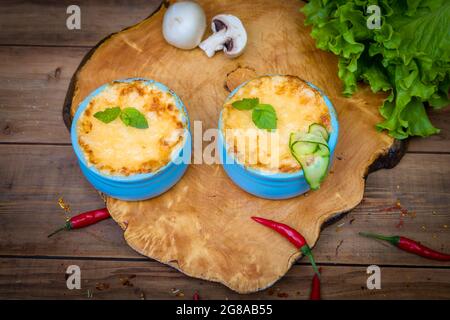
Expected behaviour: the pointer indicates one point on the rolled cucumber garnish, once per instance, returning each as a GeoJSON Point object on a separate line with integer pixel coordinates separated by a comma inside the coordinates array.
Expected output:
{"type": "Point", "coordinates": [308, 137]}
{"type": "Point", "coordinates": [315, 169]}
{"type": "Point", "coordinates": [312, 152]}
{"type": "Point", "coordinates": [323, 151]}
{"type": "Point", "coordinates": [304, 147]}
{"type": "Point", "coordinates": [316, 128]}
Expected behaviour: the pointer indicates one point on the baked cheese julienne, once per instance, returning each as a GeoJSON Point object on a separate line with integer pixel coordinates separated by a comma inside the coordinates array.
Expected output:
{"type": "Point", "coordinates": [297, 106]}
{"type": "Point", "coordinates": [117, 149]}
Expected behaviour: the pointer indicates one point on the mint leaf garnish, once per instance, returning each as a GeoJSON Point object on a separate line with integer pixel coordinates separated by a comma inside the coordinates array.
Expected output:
{"type": "Point", "coordinates": [133, 118]}
{"type": "Point", "coordinates": [246, 104]}
{"type": "Point", "coordinates": [108, 115]}
{"type": "Point", "coordinates": [264, 117]}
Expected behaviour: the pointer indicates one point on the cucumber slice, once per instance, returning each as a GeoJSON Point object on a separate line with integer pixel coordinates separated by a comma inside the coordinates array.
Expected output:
{"type": "Point", "coordinates": [322, 151]}
{"type": "Point", "coordinates": [292, 139]}
{"type": "Point", "coordinates": [303, 147]}
{"type": "Point", "coordinates": [315, 169]}
{"type": "Point", "coordinates": [316, 128]}
{"type": "Point", "coordinates": [307, 137]}
{"type": "Point", "coordinates": [312, 152]}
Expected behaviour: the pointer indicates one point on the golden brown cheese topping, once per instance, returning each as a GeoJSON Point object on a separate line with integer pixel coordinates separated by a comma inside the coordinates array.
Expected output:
{"type": "Point", "coordinates": [297, 106]}
{"type": "Point", "coordinates": [117, 149]}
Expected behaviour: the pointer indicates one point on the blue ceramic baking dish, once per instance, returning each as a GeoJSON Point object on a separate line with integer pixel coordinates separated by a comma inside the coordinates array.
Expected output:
{"type": "Point", "coordinates": [271, 185]}
{"type": "Point", "coordinates": [139, 186]}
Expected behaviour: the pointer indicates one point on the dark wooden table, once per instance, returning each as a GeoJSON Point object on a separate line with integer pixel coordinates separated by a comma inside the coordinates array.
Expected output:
{"type": "Point", "coordinates": [38, 56]}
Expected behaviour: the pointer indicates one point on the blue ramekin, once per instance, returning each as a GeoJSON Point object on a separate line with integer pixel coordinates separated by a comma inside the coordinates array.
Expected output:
{"type": "Point", "coordinates": [268, 185]}
{"type": "Point", "coordinates": [139, 186]}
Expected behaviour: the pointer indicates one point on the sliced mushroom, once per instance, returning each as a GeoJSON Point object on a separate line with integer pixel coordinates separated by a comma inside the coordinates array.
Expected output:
{"type": "Point", "coordinates": [228, 35]}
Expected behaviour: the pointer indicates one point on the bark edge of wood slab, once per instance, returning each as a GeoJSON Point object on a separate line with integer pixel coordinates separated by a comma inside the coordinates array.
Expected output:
{"type": "Point", "coordinates": [202, 226]}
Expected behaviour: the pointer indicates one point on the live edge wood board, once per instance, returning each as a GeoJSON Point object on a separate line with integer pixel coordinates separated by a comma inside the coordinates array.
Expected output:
{"type": "Point", "coordinates": [202, 226]}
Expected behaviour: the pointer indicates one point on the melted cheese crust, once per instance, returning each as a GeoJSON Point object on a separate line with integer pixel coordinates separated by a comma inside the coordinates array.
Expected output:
{"type": "Point", "coordinates": [297, 106]}
{"type": "Point", "coordinates": [116, 149]}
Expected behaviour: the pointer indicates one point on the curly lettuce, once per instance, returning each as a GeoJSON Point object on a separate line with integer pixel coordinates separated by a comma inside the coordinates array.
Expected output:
{"type": "Point", "coordinates": [408, 56]}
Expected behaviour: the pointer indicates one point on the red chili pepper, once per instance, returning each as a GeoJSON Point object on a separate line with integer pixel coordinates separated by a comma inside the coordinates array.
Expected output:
{"type": "Point", "coordinates": [410, 246]}
{"type": "Point", "coordinates": [293, 236]}
{"type": "Point", "coordinates": [315, 288]}
{"type": "Point", "coordinates": [196, 296]}
{"type": "Point", "coordinates": [84, 219]}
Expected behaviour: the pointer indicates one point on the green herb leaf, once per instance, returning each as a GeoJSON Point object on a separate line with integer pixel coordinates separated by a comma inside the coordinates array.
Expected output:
{"type": "Point", "coordinates": [108, 115]}
{"type": "Point", "coordinates": [264, 116]}
{"type": "Point", "coordinates": [133, 118]}
{"type": "Point", "coordinates": [246, 104]}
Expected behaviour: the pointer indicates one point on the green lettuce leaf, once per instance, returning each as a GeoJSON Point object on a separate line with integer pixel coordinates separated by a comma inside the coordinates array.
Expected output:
{"type": "Point", "coordinates": [409, 55]}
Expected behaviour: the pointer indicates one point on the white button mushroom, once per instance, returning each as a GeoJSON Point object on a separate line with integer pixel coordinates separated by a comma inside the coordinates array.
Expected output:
{"type": "Point", "coordinates": [228, 35]}
{"type": "Point", "coordinates": [184, 24]}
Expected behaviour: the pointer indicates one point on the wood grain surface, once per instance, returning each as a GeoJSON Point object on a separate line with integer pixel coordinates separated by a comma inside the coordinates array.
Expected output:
{"type": "Point", "coordinates": [44, 22]}
{"type": "Point", "coordinates": [202, 226]}
{"type": "Point", "coordinates": [32, 92]}
{"type": "Point", "coordinates": [21, 191]}
{"type": "Point", "coordinates": [44, 279]}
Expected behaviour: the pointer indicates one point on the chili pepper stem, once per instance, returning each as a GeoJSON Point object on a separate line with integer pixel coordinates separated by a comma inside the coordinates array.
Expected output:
{"type": "Point", "coordinates": [313, 264]}
{"type": "Point", "coordinates": [306, 250]}
{"type": "Point", "coordinates": [67, 226]}
{"type": "Point", "coordinates": [392, 239]}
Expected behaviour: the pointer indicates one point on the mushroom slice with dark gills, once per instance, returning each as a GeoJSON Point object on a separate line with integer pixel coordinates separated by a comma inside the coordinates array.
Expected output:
{"type": "Point", "coordinates": [228, 35]}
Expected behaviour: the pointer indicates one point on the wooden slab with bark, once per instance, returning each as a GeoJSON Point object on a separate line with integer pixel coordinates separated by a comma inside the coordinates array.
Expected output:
{"type": "Point", "coordinates": [202, 226]}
